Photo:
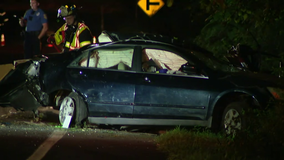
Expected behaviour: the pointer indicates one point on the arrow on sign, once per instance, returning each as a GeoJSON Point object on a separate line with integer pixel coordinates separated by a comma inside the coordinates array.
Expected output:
{"type": "Point", "coordinates": [151, 3]}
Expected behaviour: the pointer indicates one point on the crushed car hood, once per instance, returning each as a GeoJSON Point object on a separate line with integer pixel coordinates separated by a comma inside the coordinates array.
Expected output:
{"type": "Point", "coordinates": [17, 88]}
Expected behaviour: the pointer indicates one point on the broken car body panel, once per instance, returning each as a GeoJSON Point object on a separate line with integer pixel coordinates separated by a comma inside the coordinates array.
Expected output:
{"type": "Point", "coordinates": [19, 87]}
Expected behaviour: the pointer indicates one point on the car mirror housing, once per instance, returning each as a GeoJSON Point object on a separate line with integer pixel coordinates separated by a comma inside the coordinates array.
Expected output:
{"type": "Point", "coordinates": [189, 69]}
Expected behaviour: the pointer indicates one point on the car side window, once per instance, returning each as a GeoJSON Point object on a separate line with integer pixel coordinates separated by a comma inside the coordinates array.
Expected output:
{"type": "Point", "coordinates": [120, 59]}
{"type": "Point", "coordinates": [161, 61]}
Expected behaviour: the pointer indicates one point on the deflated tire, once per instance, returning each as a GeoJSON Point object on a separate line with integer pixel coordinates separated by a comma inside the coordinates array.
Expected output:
{"type": "Point", "coordinates": [73, 105]}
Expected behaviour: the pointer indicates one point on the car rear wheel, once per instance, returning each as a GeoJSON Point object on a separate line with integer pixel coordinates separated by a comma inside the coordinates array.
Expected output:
{"type": "Point", "coordinates": [233, 119]}
{"type": "Point", "coordinates": [73, 105]}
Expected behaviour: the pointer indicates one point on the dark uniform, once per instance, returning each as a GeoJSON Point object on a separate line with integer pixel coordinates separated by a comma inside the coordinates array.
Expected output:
{"type": "Point", "coordinates": [34, 19]}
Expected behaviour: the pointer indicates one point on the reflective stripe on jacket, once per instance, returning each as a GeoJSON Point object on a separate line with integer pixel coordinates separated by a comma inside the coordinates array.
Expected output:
{"type": "Point", "coordinates": [76, 44]}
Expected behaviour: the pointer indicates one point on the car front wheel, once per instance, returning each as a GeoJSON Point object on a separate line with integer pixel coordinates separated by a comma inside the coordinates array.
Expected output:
{"type": "Point", "coordinates": [67, 108]}
{"type": "Point", "coordinates": [233, 119]}
{"type": "Point", "coordinates": [73, 105]}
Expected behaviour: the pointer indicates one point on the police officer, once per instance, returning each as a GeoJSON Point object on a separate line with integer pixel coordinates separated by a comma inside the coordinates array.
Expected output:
{"type": "Point", "coordinates": [73, 34]}
{"type": "Point", "coordinates": [35, 22]}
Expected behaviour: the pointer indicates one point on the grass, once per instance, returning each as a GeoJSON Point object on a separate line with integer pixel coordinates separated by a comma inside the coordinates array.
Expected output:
{"type": "Point", "coordinates": [183, 144]}
{"type": "Point", "coordinates": [262, 139]}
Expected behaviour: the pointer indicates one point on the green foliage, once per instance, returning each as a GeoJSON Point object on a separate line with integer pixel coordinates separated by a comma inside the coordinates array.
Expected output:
{"type": "Point", "coordinates": [255, 23]}
{"type": "Point", "coordinates": [182, 144]}
{"type": "Point", "coordinates": [261, 139]}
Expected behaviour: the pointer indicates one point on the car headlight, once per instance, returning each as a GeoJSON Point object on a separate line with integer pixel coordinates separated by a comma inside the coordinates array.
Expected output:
{"type": "Point", "coordinates": [277, 93]}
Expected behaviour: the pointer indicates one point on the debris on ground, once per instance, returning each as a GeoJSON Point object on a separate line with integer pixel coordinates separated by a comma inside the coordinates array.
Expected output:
{"type": "Point", "coordinates": [7, 111]}
{"type": "Point", "coordinates": [12, 115]}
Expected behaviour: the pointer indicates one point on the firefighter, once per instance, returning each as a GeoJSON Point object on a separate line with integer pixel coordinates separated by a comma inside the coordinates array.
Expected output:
{"type": "Point", "coordinates": [73, 34]}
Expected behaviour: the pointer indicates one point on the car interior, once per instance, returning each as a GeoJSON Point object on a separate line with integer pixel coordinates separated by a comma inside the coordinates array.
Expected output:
{"type": "Point", "coordinates": [153, 60]}
{"type": "Point", "coordinates": [161, 61]}
{"type": "Point", "coordinates": [120, 59]}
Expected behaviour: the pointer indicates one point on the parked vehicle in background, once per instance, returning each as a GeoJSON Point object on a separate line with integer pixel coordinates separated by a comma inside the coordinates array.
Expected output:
{"type": "Point", "coordinates": [141, 79]}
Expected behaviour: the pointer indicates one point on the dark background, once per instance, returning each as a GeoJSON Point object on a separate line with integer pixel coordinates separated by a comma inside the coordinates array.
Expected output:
{"type": "Point", "coordinates": [112, 15]}
{"type": "Point", "coordinates": [99, 15]}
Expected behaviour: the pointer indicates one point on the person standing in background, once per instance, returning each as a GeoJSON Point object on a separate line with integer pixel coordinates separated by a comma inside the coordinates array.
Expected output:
{"type": "Point", "coordinates": [3, 20]}
{"type": "Point", "coordinates": [35, 22]}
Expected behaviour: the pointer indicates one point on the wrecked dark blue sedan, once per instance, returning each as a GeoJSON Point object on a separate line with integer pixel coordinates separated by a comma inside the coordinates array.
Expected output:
{"type": "Point", "coordinates": [140, 80]}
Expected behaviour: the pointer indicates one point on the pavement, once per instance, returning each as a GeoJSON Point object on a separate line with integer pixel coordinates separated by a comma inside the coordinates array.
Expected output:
{"type": "Point", "coordinates": [23, 138]}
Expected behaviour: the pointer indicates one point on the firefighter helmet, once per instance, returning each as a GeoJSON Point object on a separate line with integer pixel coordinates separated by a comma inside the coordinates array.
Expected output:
{"type": "Point", "coordinates": [67, 10]}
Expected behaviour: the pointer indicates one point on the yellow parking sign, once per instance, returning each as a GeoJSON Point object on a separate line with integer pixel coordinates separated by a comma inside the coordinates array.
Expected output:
{"type": "Point", "coordinates": [150, 7]}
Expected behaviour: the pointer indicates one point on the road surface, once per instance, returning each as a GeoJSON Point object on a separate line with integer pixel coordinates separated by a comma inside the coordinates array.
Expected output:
{"type": "Point", "coordinates": [21, 138]}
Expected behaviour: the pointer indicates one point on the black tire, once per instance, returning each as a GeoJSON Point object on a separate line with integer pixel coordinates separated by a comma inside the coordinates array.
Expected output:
{"type": "Point", "coordinates": [233, 118]}
{"type": "Point", "coordinates": [59, 98]}
{"type": "Point", "coordinates": [80, 113]}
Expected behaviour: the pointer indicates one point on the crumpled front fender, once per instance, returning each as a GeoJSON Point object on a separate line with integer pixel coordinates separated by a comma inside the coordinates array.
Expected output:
{"type": "Point", "coordinates": [21, 88]}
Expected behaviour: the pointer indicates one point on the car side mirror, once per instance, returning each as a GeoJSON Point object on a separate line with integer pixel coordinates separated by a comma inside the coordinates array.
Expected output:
{"type": "Point", "coordinates": [189, 69]}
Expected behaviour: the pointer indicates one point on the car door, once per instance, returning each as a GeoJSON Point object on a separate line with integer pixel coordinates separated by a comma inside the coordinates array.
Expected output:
{"type": "Point", "coordinates": [104, 77]}
{"type": "Point", "coordinates": [171, 95]}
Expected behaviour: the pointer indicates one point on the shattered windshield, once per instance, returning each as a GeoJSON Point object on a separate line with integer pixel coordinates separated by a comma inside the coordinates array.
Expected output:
{"type": "Point", "coordinates": [214, 63]}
